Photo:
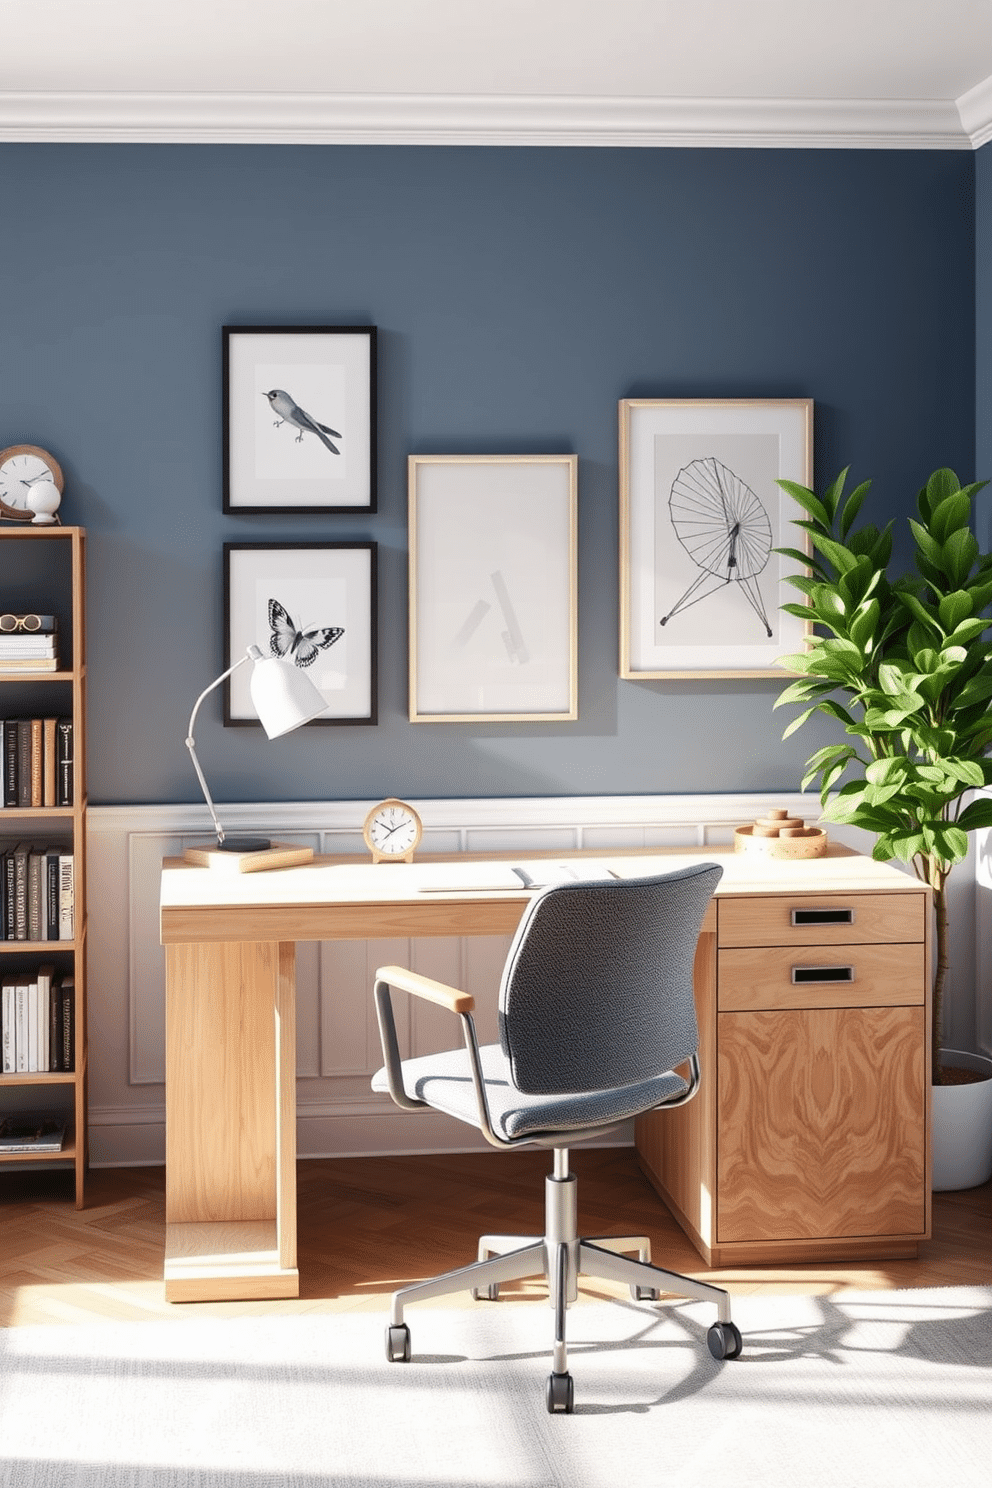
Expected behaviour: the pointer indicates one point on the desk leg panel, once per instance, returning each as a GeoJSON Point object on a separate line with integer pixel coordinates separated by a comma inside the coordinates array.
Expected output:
{"type": "Point", "coordinates": [221, 1079]}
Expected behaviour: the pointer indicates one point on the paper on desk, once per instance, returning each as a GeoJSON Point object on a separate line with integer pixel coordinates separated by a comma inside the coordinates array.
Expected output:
{"type": "Point", "coordinates": [475, 878]}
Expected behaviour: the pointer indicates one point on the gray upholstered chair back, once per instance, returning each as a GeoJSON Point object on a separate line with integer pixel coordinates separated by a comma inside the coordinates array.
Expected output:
{"type": "Point", "coordinates": [597, 987]}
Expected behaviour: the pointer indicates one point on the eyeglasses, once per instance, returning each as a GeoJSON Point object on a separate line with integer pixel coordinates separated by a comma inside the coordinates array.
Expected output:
{"type": "Point", "coordinates": [10, 623]}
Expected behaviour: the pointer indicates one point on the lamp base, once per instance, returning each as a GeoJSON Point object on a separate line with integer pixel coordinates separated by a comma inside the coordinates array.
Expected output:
{"type": "Point", "coordinates": [247, 855]}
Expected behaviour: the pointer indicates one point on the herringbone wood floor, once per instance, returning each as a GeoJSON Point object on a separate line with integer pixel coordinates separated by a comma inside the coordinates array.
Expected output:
{"type": "Point", "coordinates": [367, 1225]}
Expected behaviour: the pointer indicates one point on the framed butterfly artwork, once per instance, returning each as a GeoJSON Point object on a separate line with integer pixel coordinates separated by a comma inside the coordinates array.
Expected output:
{"type": "Point", "coordinates": [313, 604]}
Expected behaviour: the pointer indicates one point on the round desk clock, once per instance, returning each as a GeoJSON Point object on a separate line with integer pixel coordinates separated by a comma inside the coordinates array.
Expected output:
{"type": "Point", "coordinates": [31, 484]}
{"type": "Point", "coordinates": [392, 832]}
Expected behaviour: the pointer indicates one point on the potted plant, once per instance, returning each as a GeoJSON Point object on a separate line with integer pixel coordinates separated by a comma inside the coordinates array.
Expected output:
{"type": "Point", "coordinates": [904, 666]}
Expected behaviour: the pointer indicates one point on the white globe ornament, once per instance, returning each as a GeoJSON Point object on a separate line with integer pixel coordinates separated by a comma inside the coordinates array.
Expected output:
{"type": "Point", "coordinates": [43, 499]}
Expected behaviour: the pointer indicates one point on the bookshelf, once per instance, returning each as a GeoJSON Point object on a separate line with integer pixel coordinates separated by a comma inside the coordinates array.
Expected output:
{"type": "Point", "coordinates": [43, 571]}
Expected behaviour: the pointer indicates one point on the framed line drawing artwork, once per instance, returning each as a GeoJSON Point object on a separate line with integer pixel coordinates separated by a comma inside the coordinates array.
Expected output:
{"type": "Point", "coordinates": [299, 419]}
{"type": "Point", "coordinates": [313, 603]}
{"type": "Point", "coordinates": [493, 580]}
{"type": "Point", "coordinates": [700, 516]}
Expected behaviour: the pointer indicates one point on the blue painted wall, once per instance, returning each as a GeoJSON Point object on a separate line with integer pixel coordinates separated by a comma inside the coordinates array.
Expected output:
{"type": "Point", "coordinates": [983, 337]}
{"type": "Point", "coordinates": [519, 293]}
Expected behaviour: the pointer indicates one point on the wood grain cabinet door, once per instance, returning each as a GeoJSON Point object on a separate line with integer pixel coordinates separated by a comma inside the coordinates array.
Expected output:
{"type": "Point", "coordinates": [822, 1129]}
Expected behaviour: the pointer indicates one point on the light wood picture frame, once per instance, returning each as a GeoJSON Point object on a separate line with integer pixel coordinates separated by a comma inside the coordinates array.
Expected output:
{"type": "Point", "coordinates": [299, 419]}
{"type": "Point", "coordinates": [313, 603]}
{"type": "Point", "coordinates": [700, 517]}
{"type": "Point", "coordinates": [493, 588]}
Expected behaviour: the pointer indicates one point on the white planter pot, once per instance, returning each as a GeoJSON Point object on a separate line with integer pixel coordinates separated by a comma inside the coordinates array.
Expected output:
{"type": "Point", "coordinates": [962, 1127]}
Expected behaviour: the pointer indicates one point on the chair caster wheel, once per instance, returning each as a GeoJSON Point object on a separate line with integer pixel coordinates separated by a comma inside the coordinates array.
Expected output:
{"type": "Point", "coordinates": [644, 1294]}
{"type": "Point", "coordinates": [398, 1344]}
{"type": "Point", "coordinates": [560, 1395]}
{"type": "Point", "coordinates": [724, 1341]}
{"type": "Point", "coordinates": [488, 1293]}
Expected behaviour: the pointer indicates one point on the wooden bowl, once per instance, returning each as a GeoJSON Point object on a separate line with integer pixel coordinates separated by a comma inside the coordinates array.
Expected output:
{"type": "Point", "coordinates": [812, 844]}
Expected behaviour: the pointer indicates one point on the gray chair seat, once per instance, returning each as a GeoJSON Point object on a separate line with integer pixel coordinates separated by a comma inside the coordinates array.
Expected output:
{"type": "Point", "coordinates": [444, 1081]}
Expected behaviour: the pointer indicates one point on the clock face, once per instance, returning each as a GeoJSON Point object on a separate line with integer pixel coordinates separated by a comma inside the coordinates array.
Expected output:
{"type": "Point", "coordinates": [20, 470]}
{"type": "Point", "coordinates": [392, 830]}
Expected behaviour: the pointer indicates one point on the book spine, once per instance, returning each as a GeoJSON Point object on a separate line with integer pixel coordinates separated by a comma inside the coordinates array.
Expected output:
{"type": "Point", "coordinates": [45, 975]}
{"type": "Point", "coordinates": [33, 1050]}
{"type": "Point", "coordinates": [52, 889]}
{"type": "Point", "coordinates": [49, 774]}
{"type": "Point", "coordinates": [67, 896]}
{"type": "Point", "coordinates": [68, 1023]}
{"type": "Point", "coordinates": [36, 899]}
{"type": "Point", "coordinates": [54, 1026]}
{"type": "Point", "coordinates": [24, 762]}
{"type": "Point", "coordinates": [21, 1028]}
{"type": "Point", "coordinates": [9, 876]}
{"type": "Point", "coordinates": [20, 892]}
{"type": "Point", "coordinates": [37, 759]}
{"type": "Point", "coordinates": [7, 1025]}
{"type": "Point", "coordinates": [65, 772]}
{"type": "Point", "coordinates": [10, 736]}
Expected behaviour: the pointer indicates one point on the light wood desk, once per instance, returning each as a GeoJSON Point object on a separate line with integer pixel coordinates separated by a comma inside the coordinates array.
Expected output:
{"type": "Point", "coordinates": [810, 1133]}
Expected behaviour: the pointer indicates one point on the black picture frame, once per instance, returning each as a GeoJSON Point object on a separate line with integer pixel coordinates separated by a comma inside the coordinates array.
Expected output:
{"type": "Point", "coordinates": [319, 381]}
{"type": "Point", "coordinates": [270, 589]}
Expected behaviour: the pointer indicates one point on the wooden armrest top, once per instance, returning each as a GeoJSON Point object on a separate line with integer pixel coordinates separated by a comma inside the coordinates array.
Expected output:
{"type": "Point", "coordinates": [427, 988]}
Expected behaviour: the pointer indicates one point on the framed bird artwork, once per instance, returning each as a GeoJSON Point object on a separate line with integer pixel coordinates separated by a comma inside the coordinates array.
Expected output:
{"type": "Point", "coordinates": [299, 418]}
{"type": "Point", "coordinates": [313, 604]}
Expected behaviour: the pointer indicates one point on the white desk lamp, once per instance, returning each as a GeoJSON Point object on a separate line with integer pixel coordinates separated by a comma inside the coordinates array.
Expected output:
{"type": "Point", "coordinates": [284, 698]}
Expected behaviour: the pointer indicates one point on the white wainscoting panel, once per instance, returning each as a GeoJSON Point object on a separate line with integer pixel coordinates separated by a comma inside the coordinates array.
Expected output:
{"type": "Point", "coordinates": [337, 1038]}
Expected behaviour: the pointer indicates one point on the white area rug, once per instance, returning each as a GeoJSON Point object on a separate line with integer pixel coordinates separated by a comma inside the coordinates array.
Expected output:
{"type": "Point", "coordinates": [886, 1388]}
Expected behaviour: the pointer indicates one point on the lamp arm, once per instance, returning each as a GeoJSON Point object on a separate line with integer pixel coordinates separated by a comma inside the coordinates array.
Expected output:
{"type": "Point", "coordinates": [191, 746]}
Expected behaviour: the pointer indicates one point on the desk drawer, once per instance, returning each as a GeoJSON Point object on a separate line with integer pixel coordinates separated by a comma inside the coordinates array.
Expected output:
{"type": "Point", "coordinates": [752, 979]}
{"type": "Point", "coordinates": [820, 919]}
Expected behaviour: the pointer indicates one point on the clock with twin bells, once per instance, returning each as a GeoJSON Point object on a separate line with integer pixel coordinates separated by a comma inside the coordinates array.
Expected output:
{"type": "Point", "coordinates": [392, 832]}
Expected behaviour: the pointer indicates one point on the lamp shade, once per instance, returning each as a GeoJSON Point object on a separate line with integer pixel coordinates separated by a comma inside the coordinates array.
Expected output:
{"type": "Point", "coordinates": [284, 697]}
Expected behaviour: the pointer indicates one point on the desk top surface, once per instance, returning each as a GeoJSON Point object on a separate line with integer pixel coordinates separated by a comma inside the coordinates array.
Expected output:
{"type": "Point", "coordinates": [303, 903]}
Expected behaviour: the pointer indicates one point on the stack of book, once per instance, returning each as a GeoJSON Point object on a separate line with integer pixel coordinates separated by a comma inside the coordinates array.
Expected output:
{"type": "Point", "coordinates": [37, 891]}
{"type": "Point", "coordinates": [38, 1013]}
{"type": "Point", "coordinates": [32, 1131]}
{"type": "Point", "coordinates": [37, 762]}
{"type": "Point", "coordinates": [29, 643]}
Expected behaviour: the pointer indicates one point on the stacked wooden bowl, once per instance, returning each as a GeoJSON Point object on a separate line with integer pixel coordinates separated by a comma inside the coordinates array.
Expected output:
{"type": "Point", "coordinates": [779, 835]}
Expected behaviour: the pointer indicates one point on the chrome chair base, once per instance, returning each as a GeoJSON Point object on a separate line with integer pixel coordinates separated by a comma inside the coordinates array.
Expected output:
{"type": "Point", "coordinates": [561, 1255]}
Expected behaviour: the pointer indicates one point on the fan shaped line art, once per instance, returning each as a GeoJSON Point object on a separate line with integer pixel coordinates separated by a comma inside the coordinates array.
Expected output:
{"type": "Point", "coordinates": [725, 530]}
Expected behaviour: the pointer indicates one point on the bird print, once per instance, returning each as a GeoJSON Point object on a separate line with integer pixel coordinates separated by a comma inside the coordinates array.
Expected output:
{"type": "Point", "coordinates": [290, 412]}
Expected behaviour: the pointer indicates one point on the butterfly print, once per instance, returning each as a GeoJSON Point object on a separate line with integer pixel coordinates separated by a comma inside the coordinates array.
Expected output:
{"type": "Point", "coordinates": [301, 646]}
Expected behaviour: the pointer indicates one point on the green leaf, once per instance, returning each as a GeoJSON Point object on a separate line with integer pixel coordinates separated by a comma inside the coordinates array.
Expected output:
{"type": "Point", "coordinates": [954, 608]}
{"type": "Point", "coordinates": [797, 723]}
{"type": "Point", "coordinates": [852, 506]}
{"type": "Point", "coordinates": [928, 546]}
{"type": "Point", "coordinates": [941, 484]}
{"type": "Point", "coordinates": [883, 771]}
{"type": "Point", "coordinates": [841, 558]}
{"type": "Point", "coordinates": [865, 624]}
{"type": "Point", "coordinates": [976, 814]}
{"type": "Point", "coordinates": [949, 515]}
{"type": "Point", "coordinates": [969, 772]}
{"type": "Point", "coordinates": [959, 553]}
{"type": "Point", "coordinates": [967, 631]}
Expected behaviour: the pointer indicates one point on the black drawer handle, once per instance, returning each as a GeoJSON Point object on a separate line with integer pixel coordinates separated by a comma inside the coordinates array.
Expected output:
{"type": "Point", "coordinates": [823, 917]}
{"type": "Point", "coordinates": [822, 974]}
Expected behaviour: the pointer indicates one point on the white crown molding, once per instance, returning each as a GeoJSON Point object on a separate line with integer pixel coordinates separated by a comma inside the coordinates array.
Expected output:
{"type": "Point", "coordinates": [975, 109]}
{"type": "Point", "coordinates": [267, 118]}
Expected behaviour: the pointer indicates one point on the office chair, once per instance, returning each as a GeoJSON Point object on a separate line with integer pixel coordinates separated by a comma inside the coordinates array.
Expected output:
{"type": "Point", "coordinates": [596, 1012]}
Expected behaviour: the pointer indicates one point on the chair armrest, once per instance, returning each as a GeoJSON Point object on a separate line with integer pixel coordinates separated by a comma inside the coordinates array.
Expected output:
{"type": "Point", "coordinates": [427, 988]}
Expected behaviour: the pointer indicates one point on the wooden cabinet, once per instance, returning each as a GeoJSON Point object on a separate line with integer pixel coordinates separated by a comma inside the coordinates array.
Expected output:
{"type": "Point", "coordinates": [42, 570]}
{"type": "Point", "coordinates": [810, 1136]}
